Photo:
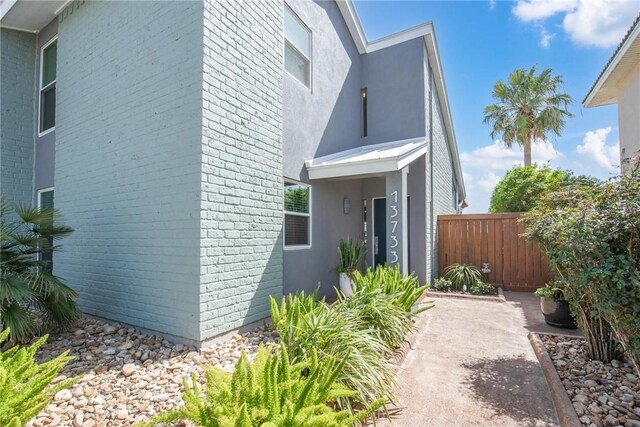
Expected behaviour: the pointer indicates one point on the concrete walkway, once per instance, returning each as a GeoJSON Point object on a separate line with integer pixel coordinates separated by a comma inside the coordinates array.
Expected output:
{"type": "Point", "coordinates": [472, 365]}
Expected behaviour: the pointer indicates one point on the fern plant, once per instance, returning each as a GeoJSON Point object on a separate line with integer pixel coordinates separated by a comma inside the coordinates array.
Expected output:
{"type": "Point", "coordinates": [28, 291]}
{"type": "Point", "coordinates": [462, 275]}
{"type": "Point", "coordinates": [268, 392]}
{"type": "Point", "coordinates": [306, 325]}
{"type": "Point", "coordinates": [25, 386]}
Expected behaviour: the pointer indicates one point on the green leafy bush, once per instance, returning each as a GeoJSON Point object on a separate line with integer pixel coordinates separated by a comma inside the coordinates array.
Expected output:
{"type": "Point", "coordinates": [522, 187]}
{"type": "Point", "coordinates": [25, 386]}
{"type": "Point", "coordinates": [28, 291]}
{"type": "Point", "coordinates": [405, 291]}
{"type": "Point", "coordinates": [270, 391]}
{"type": "Point", "coordinates": [591, 235]}
{"type": "Point", "coordinates": [350, 254]}
{"type": "Point", "coordinates": [482, 288]}
{"type": "Point", "coordinates": [442, 285]}
{"type": "Point", "coordinates": [551, 290]}
{"type": "Point", "coordinates": [307, 326]}
{"type": "Point", "coordinates": [462, 275]}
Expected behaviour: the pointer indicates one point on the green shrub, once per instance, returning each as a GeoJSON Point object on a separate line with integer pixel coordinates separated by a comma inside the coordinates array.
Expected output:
{"type": "Point", "coordinates": [442, 285]}
{"type": "Point", "coordinates": [350, 255]}
{"type": "Point", "coordinates": [25, 386]}
{"type": "Point", "coordinates": [307, 326]}
{"type": "Point", "coordinates": [482, 288]}
{"type": "Point", "coordinates": [461, 275]}
{"type": "Point", "coordinates": [379, 312]}
{"type": "Point", "coordinates": [405, 291]}
{"type": "Point", "coordinates": [591, 234]}
{"type": "Point", "coordinates": [28, 291]}
{"type": "Point", "coordinates": [270, 391]}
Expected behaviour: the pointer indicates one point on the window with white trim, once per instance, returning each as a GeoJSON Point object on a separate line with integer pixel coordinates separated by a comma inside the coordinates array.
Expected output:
{"type": "Point", "coordinates": [48, 60]}
{"type": "Point", "coordinates": [297, 215]}
{"type": "Point", "coordinates": [297, 48]}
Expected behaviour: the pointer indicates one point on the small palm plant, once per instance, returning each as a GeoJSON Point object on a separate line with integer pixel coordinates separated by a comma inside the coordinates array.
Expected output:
{"type": "Point", "coordinates": [462, 275]}
{"type": "Point", "coordinates": [29, 292]}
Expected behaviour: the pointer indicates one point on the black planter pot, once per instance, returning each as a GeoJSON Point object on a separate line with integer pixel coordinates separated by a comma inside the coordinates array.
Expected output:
{"type": "Point", "coordinates": [557, 313]}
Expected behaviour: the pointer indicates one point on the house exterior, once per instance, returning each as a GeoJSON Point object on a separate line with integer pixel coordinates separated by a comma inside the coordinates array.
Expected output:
{"type": "Point", "coordinates": [619, 83]}
{"type": "Point", "coordinates": [210, 154]}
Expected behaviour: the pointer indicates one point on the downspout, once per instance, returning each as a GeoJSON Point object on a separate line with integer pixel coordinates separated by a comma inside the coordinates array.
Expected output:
{"type": "Point", "coordinates": [431, 228]}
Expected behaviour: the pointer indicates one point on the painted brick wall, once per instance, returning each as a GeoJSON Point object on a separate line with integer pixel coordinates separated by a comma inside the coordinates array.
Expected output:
{"type": "Point", "coordinates": [17, 89]}
{"type": "Point", "coordinates": [442, 179]}
{"type": "Point", "coordinates": [241, 217]}
{"type": "Point", "coordinates": [128, 152]}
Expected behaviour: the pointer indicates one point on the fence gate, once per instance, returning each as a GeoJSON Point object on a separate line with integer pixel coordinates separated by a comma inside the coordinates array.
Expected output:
{"type": "Point", "coordinates": [515, 263]}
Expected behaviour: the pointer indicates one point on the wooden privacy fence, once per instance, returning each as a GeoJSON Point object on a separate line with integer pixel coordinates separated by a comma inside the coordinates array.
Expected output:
{"type": "Point", "coordinates": [515, 263]}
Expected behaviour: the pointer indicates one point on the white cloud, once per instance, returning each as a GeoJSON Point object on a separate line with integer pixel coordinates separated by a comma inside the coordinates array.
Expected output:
{"type": "Point", "coordinates": [594, 148]}
{"type": "Point", "coordinates": [537, 10]}
{"type": "Point", "coordinates": [600, 23]}
{"type": "Point", "coordinates": [492, 4]}
{"type": "Point", "coordinates": [545, 38]}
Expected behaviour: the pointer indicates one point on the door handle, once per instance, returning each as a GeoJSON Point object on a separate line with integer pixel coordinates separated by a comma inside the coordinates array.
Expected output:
{"type": "Point", "coordinates": [375, 245]}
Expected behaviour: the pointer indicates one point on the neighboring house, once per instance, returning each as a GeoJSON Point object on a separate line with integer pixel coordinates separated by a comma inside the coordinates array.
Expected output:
{"type": "Point", "coordinates": [210, 154]}
{"type": "Point", "coordinates": [619, 83]}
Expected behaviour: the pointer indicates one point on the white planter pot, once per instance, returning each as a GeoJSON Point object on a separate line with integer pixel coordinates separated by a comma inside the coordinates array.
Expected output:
{"type": "Point", "coordinates": [346, 285]}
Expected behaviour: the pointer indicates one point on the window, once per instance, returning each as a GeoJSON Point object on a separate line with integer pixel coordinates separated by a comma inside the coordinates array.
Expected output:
{"type": "Point", "coordinates": [297, 48]}
{"type": "Point", "coordinates": [48, 59]}
{"type": "Point", "coordinates": [363, 92]}
{"type": "Point", "coordinates": [297, 215]}
{"type": "Point", "coordinates": [45, 201]}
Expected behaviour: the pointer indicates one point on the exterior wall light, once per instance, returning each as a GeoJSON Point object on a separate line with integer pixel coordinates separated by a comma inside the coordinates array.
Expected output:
{"type": "Point", "coordinates": [346, 205]}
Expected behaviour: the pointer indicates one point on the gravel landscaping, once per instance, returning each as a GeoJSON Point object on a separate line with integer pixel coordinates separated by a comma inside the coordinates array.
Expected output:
{"type": "Point", "coordinates": [128, 377]}
{"type": "Point", "coordinates": [603, 394]}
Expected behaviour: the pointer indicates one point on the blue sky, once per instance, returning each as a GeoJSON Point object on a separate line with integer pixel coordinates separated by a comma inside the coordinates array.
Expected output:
{"type": "Point", "coordinates": [481, 42]}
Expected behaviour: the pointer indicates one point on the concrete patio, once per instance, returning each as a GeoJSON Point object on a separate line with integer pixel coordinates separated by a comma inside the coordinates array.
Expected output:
{"type": "Point", "coordinates": [472, 364]}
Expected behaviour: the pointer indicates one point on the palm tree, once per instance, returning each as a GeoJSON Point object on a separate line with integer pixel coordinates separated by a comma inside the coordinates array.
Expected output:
{"type": "Point", "coordinates": [29, 293]}
{"type": "Point", "coordinates": [528, 109]}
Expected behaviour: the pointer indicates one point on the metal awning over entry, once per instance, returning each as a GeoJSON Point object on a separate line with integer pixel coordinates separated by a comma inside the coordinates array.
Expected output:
{"type": "Point", "coordinates": [368, 159]}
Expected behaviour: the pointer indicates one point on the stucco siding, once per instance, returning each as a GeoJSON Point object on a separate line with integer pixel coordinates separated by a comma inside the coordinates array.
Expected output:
{"type": "Point", "coordinates": [128, 160]}
{"type": "Point", "coordinates": [395, 85]}
{"type": "Point", "coordinates": [628, 118]}
{"type": "Point", "coordinates": [45, 144]}
{"type": "Point", "coordinates": [241, 174]}
{"type": "Point", "coordinates": [327, 118]}
{"type": "Point", "coordinates": [316, 122]}
{"type": "Point", "coordinates": [17, 77]}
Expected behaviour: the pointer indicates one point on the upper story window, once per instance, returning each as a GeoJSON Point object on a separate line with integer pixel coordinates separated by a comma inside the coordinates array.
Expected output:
{"type": "Point", "coordinates": [297, 215]}
{"type": "Point", "coordinates": [48, 60]}
{"type": "Point", "coordinates": [363, 93]}
{"type": "Point", "coordinates": [297, 48]}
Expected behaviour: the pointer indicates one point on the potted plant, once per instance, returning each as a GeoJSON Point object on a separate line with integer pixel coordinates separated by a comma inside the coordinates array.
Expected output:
{"type": "Point", "coordinates": [555, 308]}
{"type": "Point", "coordinates": [350, 254]}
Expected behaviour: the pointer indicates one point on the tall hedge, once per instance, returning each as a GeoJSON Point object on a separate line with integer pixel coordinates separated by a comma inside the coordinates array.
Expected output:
{"type": "Point", "coordinates": [591, 234]}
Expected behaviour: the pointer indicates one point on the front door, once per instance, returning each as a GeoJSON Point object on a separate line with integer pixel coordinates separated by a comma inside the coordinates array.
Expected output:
{"type": "Point", "coordinates": [379, 231]}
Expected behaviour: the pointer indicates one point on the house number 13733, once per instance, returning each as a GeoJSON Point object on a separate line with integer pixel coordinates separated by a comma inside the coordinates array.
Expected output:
{"type": "Point", "coordinates": [394, 226]}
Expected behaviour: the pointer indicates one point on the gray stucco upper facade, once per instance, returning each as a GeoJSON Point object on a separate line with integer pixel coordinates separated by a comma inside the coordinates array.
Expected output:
{"type": "Point", "coordinates": [176, 127]}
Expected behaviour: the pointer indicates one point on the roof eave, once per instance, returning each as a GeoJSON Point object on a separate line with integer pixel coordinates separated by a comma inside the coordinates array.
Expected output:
{"type": "Point", "coordinates": [591, 100]}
